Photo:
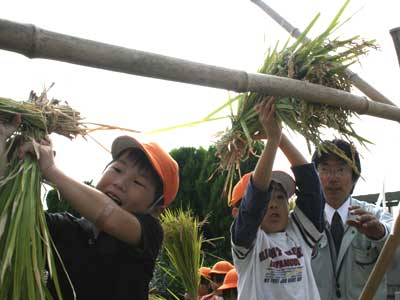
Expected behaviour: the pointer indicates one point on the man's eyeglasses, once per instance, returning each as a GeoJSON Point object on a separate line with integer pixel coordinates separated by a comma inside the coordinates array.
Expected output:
{"type": "Point", "coordinates": [337, 171]}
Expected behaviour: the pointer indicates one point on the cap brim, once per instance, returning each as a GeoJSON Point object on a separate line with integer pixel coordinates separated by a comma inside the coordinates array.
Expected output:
{"type": "Point", "coordinates": [123, 143]}
{"type": "Point", "coordinates": [227, 286]}
{"type": "Point", "coordinates": [285, 180]}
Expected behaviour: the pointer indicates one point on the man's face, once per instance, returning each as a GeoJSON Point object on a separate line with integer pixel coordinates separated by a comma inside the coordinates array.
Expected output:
{"type": "Point", "coordinates": [336, 179]}
{"type": "Point", "coordinates": [126, 184]}
{"type": "Point", "coordinates": [277, 216]}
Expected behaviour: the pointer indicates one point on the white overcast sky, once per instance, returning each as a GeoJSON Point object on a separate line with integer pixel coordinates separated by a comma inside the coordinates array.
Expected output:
{"type": "Point", "coordinates": [227, 33]}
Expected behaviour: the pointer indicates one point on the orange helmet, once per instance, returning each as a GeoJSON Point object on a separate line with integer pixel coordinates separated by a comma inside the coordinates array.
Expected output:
{"type": "Point", "coordinates": [239, 189]}
{"type": "Point", "coordinates": [205, 272]}
{"type": "Point", "coordinates": [221, 267]}
{"type": "Point", "coordinates": [230, 281]}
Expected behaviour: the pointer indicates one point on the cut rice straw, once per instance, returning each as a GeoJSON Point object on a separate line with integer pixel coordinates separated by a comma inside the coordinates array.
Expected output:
{"type": "Point", "coordinates": [26, 248]}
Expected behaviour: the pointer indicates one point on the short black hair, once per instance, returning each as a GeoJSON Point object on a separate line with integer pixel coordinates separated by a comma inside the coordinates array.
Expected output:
{"type": "Point", "coordinates": [348, 149]}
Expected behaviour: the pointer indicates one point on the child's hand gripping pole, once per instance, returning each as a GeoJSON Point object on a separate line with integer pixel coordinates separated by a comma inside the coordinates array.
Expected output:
{"type": "Point", "coordinates": [381, 265]}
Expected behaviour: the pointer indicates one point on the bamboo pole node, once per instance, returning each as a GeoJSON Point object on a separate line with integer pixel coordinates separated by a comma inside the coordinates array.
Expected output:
{"type": "Point", "coordinates": [35, 42]}
{"type": "Point", "coordinates": [364, 107]}
{"type": "Point", "coordinates": [31, 52]}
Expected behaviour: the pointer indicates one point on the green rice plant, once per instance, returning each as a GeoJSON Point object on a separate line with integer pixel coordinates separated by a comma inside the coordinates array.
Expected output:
{"type": "Point", "coordinates": [322, 60]}
{"type": "Point", "coordinates": [182, 243]}
{"type": "Point", "coordinates": [26, 249]}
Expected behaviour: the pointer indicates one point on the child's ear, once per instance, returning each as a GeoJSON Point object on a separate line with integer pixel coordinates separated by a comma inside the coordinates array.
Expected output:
{"type": "Point", "coordinates": [235, 211]}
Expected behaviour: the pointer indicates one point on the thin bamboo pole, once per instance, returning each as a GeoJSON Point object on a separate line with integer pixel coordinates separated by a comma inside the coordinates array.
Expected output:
{"type": "Point", "coordinates": [383, 262]}
{"type": "Point", "coordinates": [361, 84]}
{"type": "Point", "coordinates": [34, 42]}
{"type": "Point", "coordinates": [395, 33]}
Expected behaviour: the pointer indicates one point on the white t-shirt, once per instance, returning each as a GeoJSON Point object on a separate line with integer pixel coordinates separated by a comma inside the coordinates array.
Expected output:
{"type": "Point", "coordinates": [278, 265]}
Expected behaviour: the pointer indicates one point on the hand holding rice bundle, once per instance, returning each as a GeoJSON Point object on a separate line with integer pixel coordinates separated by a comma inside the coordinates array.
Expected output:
{"type": "Point", "coordinates": [322, 60]}
{"type": "Point", "coordinates": [25, 245]}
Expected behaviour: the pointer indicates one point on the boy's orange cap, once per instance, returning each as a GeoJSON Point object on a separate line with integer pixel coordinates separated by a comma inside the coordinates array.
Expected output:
{"type": "Point", "coordinates": [230, 280]}
{"type": "Point", "coordinates": [221, 267]}
{"type": "Point", "coordinates": [281, 177]}
{"type": "Point", "coordinates": [239, 189]}
{"type": "Point", "coordinates": [205, 272]}
{"type": "Point", "coordinates": [165, 166]}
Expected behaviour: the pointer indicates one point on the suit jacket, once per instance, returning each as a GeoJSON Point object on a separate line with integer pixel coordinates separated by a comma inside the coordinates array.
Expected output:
{"type": "Point", "coordinates": [344, 276]}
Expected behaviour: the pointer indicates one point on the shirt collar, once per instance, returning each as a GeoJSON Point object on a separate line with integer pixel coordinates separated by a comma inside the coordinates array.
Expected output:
{"type": "Point", "coordinates": [343, 211]}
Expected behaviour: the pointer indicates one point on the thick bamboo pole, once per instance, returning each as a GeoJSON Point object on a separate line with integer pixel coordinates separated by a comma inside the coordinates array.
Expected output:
{"type": "Point", "coordinates": [34, 42]}
{"type": "Point", "coordinates": [361, 84]}
{"type": "Point", "coordinates": [383, 262]}
{"type": "Point", "coordinates": [395, 33]}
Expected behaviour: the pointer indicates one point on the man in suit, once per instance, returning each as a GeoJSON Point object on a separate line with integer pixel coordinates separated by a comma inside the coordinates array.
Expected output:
{"type": "Point", "coordinates": [355, 231]}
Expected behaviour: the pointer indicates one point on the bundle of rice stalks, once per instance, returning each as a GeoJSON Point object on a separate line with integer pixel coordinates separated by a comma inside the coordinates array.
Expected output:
{"type": "Point", "coordinates": [322, 60]}
{"type": "Point", "coordinates": [25, 244]}
{"type": "Point", "coordinates": [182, 243]}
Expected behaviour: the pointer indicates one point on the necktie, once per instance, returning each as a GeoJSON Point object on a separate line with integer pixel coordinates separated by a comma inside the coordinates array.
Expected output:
{"type": "Point", "coordinates": [337, 230]}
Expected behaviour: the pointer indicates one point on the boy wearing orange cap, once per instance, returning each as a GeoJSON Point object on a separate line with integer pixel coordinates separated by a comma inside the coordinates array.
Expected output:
{"type": "Point", "coordinates": [205, 286]}
{"type": "Point", "coordinates": [217, 275]}
{"type": "Point", "coordinates": [229, 287]}
{"type": "Point", "coordinates": [111, 252]}
{"type": "Point", "coordinates": [272, 248]}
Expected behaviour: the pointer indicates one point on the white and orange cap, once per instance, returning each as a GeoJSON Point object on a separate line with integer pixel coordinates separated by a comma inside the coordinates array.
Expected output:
{"type": "Point", "coordinates": [165, 166]}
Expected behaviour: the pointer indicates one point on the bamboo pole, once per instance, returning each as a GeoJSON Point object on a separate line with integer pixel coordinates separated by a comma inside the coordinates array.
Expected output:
{"type": "Point", "coordinates": [35, 42]}
{"type": "Point", "coordinates": [395, 33]}
{"type": "Point", "coordinates": [361, 84]}
{"type": "Point", "coordinates": [383, 262]}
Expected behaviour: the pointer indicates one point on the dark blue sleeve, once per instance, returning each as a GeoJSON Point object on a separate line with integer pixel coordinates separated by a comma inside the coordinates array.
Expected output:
{"type": "Point", "coordinates": [310, 196]}
{"type": "Point", "coordinates": [251, 213]}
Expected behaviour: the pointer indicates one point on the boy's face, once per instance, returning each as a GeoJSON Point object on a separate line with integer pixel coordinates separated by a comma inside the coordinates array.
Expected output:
{"type": "Point", "coordinates": [127, 185]}
{"type": "Point", "coordinates": [277, 216]}
{"type": "Point", "coordinates": [216, 281]}
{"type": "Point", "coordinates": [336, 179]}
{"type": "Point", "coordinates": [204, 287]}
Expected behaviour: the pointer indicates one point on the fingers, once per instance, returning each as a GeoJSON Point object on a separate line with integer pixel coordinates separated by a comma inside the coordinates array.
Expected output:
{"type": "Point", "coordinates": [359, 215]}
{"type": "Point", "coordinates": [352, 207]}
{"type": "Point", "coordinates": [266, 108]}
{"type": "Point", "coordinates": [24, 149]}
{"type": "Point", "coordinates": [366, 223]}
{"type": "Point", "coordinates": [356, 210]}
{"type": "Point", "coordinates": [34, 147]}
{"type": "Point", "coordinates": [46, 141]}
{"type": "Point", "coordinates": [16, 121]}
{"type": "Point", "coordinates": [354, 224]}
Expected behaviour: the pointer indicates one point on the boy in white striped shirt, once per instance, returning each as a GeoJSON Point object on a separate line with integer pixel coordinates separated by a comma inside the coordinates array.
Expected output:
{"type": "Point", "coordinates": [271, 248]}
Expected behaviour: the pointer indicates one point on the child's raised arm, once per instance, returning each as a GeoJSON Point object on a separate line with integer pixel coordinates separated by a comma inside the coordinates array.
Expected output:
{"type": "Point", "coordinates": [310, 197]}
{"type": "Point", "coordinates": [293, 155]}
{"type": "Point", "coordinates": [263, 169]}
{"type": "Point", "coordinates": [254, 203]}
